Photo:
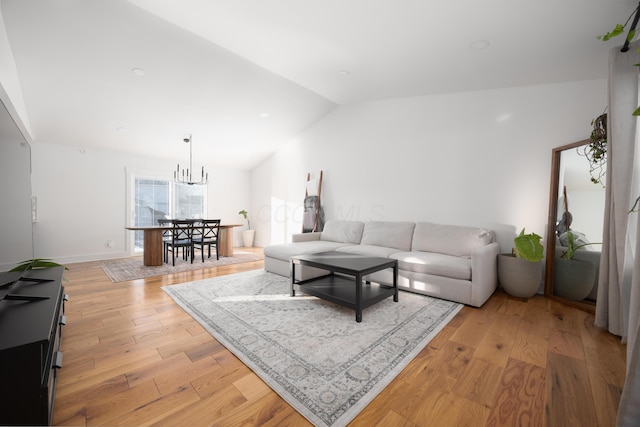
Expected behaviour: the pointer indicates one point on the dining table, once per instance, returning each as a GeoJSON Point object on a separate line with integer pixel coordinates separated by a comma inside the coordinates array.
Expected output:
{"type": "Point", "coordinates": [153, 248]}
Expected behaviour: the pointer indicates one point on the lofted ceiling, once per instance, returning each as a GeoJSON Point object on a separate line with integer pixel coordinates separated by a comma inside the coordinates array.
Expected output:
{"type": "Point", "coordinates": [245, 77]}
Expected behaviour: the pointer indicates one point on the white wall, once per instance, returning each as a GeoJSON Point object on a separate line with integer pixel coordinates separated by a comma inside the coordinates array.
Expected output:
{"type": "Point", "coordinates": [587, 208]}
{"type": "Point", "coordinates": [15, 193]}
{"type": "Point", "coordinates": [82, 200]}
{"type": "Point", "coordinates": [476, 158]}
{"type": "Point", "coordinates": [15, 171]}
{"type": "Point", "coordinates": [10, 89]}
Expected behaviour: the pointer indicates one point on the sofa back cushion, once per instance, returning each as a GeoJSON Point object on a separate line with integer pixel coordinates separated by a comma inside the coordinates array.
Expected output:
{"type": "Point", "coordinates": [396, 235]}
{"type": "Point", "coordinates": [342, 231]}
{"type": "Point", "coordinates": [450, 239]}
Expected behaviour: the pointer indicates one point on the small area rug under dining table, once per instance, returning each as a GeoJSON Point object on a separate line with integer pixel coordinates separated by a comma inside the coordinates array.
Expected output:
{"type": "Point", "coordinates": [312, 352]}
{"type": "Point", "coordinates": [123, 269]}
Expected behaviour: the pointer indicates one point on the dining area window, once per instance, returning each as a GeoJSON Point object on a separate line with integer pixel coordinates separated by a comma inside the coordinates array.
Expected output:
{"type": "Point", "coordinates": [189, 201]}
{"type": "Point", "coordinates": [153, 197]}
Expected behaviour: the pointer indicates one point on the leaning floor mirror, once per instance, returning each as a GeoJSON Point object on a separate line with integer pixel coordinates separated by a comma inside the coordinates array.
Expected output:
{"type": "Point", "coordinates": [575, 223]}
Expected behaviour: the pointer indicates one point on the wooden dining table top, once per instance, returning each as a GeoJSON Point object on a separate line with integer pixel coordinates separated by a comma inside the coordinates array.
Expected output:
{"type": "Point", "coordinates": [169, 227]}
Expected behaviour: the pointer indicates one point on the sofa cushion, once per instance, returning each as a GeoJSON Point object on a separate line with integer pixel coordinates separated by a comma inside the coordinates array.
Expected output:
{"type": "Point", "coordinates": [342, 231]}
{"type": "Point", "coordinates": [396, 235]}
{"type": "Point", "coordinates": [285, 251]}
{"type": "Point", "coordinates": [449, 239]}
{"type": "Point", "coordinates": [436, 264]}
{"type": "Point", "coordinates": [371, 250]}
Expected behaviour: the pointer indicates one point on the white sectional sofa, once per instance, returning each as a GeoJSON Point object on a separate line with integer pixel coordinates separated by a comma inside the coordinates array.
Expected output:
{"type": "Point", "coordinates": [446, 261]}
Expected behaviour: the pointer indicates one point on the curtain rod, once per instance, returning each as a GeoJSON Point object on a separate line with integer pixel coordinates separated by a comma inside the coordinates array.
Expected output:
{"type": "Point", "coordinates": [625, 47]}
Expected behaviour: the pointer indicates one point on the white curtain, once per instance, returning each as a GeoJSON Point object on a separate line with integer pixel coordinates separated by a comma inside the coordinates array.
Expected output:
{"type": "Point", "coordinates": [618, 302]}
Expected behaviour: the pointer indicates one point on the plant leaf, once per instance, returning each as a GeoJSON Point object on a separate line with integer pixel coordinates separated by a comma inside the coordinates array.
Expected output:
{"type": "Point", "coordinates": [617, 30]}
{"type": "Point", "coordinates": [35, 263]}
{"type": "Point", "coordinates": [528, 246]}
{"type": "Point", "coordinates": [637, 112]}
{"type": "Point", "coordinates": [570, 247]}
{"type": "Point", "coordinates": [630, 36]}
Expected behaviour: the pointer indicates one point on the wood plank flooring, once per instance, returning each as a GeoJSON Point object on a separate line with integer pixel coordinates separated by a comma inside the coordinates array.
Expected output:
{"type": "Point", "coordinates": [132, 357]}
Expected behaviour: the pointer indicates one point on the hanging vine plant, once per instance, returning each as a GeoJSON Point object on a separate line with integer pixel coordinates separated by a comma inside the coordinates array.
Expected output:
{"type": "Point", "coordinates": [617, 30]}
{"type": "Point", "coordinates": [596, 150]}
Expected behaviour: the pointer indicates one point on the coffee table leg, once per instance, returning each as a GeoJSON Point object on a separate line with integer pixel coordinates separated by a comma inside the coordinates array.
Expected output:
{"type": "Point", "coordinates": [358, 298]}
{"type": "Point", "coordinates": [395, 282]}
{"type": "Point", "coordinates": [292, 273]}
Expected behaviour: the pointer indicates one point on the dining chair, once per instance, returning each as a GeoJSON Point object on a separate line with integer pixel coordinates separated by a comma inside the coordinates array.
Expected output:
{"type": "Point", "coordinates": [207, 235]}
{"type": "Point", "coordinates": [181, 234]}
{"type": "Point", "coordinates": [166, 236]}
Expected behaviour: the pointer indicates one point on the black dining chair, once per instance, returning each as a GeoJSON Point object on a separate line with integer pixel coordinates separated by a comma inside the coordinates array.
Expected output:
{"type": "Point", "coordinates": [181, 234]}
{"type": "Point", "coordinates": [206, 235]}
{"type": "Point", "coordinates": [166, 236]}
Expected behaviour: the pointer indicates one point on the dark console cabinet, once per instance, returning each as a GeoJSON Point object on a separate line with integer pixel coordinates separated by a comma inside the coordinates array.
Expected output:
{"type": "Point", "coordinates": [31, 321]}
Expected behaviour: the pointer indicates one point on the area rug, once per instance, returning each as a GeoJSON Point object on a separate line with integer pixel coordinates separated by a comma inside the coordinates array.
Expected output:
{"type": "Point", "coordinates": [123, 269]}
{"type": "Point", "coordinates": [311, 352]}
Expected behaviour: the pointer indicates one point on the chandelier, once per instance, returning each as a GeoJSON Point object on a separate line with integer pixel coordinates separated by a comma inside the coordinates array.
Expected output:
{"type": "Point", "coordinates": [186, 176]}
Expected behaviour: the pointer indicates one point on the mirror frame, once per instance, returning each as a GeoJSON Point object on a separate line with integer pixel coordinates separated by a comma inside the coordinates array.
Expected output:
{"type": "Point", "coordinates": [554, 191]}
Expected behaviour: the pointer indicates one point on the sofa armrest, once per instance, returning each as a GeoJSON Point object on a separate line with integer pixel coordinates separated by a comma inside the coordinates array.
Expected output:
{"type": "Point", "coordinates": [484, 273]}
{"type": "Point", "coordinates": [305, 237]}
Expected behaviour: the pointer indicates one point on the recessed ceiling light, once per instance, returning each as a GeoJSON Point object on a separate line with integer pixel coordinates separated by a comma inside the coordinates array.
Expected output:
{"type": "Point", "coordinates": [504, 117]}
{"type": "Point", "coordinates": [480, 44]}
{"type": "Point", "coordinates": [121, 129]}
{"type": "Point", "coordinates": [138, 72]}
{"type": "Point", "coordinates": [264, 115]}
{"type": "Point", "coordinates": [344, 73]}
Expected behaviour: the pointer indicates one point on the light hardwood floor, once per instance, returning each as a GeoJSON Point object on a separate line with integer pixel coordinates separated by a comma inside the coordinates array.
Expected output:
{"type": "Point", "coordinates": [133, 357]}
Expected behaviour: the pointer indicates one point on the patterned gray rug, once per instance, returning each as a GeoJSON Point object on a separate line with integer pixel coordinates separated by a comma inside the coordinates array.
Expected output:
{"type": "Point", "coordinates": [123, 269]}
{"type": "Point", "coordinates": [312, 352]}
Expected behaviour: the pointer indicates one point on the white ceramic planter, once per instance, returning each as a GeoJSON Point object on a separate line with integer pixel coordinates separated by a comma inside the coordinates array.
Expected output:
{"type": "Point", "coordinates": [519, 277]}
{"type": "Point", "coordinates": [247, 237]}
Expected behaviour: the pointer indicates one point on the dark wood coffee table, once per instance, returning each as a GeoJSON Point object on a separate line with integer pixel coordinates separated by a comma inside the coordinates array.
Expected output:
{"type": "Point", "coordinates": [343, 285]}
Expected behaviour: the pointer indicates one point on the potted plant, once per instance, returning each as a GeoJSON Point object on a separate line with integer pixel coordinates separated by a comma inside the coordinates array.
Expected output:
{"type": "Point", "coordinates": [596, 150]}
{"type": "Point", "coordinates": [248, 234]}
{"type": "Point", "coordinates": [573, 278]}
{"type": "Point", "coordinates": [520, 272]}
